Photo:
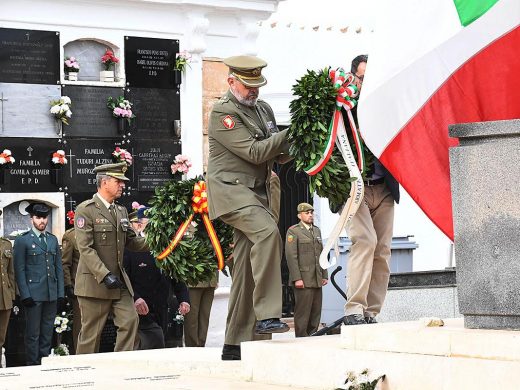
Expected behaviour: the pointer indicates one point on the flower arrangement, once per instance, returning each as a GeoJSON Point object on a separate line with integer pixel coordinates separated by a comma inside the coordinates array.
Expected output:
{"type": "Point", "coordinates": [178, 318]}
{"type": "Point", "coordinates": [71, 65]}
{"type": "Point", "coordinates": [122, 155]}
{"type": "Point", "coordinates": [121, 108]}
{"type": "Point", "coordinates": [70, 217]}
{"type": "Point", "coordinates": [109, 59]}
{"type": "Point", "coordinates": [60, 350]}
{"type": "Point", "coordinates": [58, 158]}
{"type": "Point", "coordinates": [61, 109]}
{"type": "Point", "coordinates": [360, 382]}
{"type": "Point", "coordinates": [6, 158]}
{"type": "Point", "coordinates": [181, 164]}
{"type": "Point", "coordinates": [16, 233]}
{"type": "Point", "coordinates": [182, 60]}
{"type": "Point", "coordinates": [62, 323]}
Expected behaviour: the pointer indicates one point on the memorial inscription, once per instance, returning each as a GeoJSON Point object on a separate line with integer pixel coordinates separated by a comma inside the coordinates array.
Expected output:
{"type": "Point", "coordinates": [90, 115]}
{"type": "Point", "coordinates": [155, 111]}
{"type": "Point", "coordinates": [29, 56]}
{"type": "Point", "coordinates": [149, 62]}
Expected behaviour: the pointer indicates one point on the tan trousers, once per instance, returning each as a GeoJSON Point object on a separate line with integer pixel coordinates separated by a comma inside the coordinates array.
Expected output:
{"type": "Point", "coordinates": [257, 279]}
{"type": "Point", "coordinates": [368, 269]}
{"type": "Point", "coordinates": [307, 310]}
{"type": "Point", "coordinates": [94, 313]}
{"type": "Point", "coordinates": [197, 320]}
{"type": "Point", "coordinates": [4, 323]}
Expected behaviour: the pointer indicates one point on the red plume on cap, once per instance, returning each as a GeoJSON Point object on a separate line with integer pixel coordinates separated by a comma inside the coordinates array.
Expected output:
{"type": "Point", "coordinates": [70, 217]}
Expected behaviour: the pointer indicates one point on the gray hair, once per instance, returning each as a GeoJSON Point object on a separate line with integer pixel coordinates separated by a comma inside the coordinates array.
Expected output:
{"type": "Point", "coordinates": [99, 178]}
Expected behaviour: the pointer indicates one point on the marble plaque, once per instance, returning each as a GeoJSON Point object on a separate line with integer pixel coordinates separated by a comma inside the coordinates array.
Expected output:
{"type": "Point", "coordinates": [88, 53]}
{"type": "Point", "coordinates": [25, 110]}
{"type": "Point", "coordinates": [90, 115]}
{"type": "Point", "coordinates": [16, 218]}
{"type": "Point", "coordinates": [29, 56]}
{"type": "Point", "coordinates": [149, 62]}
{"type": "Point", "coordinates": [32, 169]}
{"type": "Point", "coordinates": [152, 161]}
{"type": "Point", "coordinates": [155, 111]}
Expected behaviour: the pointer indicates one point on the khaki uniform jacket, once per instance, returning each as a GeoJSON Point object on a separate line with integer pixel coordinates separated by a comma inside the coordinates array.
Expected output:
{"type": "Point", "coordinates": [302, 252]}
{"type": "Point", "coordinates": [7, 289]}
{"type": "Point", "coordinates": [101, 243]}
{"type": "Point", "coordinates": [69, 257]}
{"type": "Point", "coordinates": [242, 149]}
{"type": "Point", "coordinates": [213, 282]}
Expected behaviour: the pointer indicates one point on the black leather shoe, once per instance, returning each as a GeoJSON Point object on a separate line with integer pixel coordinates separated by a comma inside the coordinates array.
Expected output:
{"type": "Point", "coordinates": [231, 352]}
{"type": "Point", "coordinates": [271, 325]}
{"type": "Point", "coordinates": [370, 320]}
{"type": "Point", "coordinates": [354, 319]}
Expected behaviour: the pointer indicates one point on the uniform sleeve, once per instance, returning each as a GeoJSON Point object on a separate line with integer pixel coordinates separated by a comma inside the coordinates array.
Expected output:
{"type": "Point", "coordinates": [19, 267]}
{"type": "Point", "coordinates": [239, 141]}
{"type": "Point", "coordinates": [85, 242]}
{"type": "Point", "coordinates": [128, 265]}
{"type": "Point", "coordinates": [59, 270]}
{"type": "Point", "coordinates": [135, 243]}
{"type": "Point", "coordinates": [67, 250]}
{"type": "Point", "coordinates": [181, 291]}
{"type": "Point", "coordinates": [291, 255]}
{"type": "Point", "coordinates": [10, 271]}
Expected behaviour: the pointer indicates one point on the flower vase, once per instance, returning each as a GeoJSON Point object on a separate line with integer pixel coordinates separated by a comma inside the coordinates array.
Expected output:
{"type": "Point", "coordinates": [59, 127]}
{"type": "Point", "coordinates": [56, 176]}
{"type": "Point", "coordinates": [3, 175]}
{"type": "Point", "coordinates": [177, 77]}
{"type": "Point", "coordinates": [73, 76]}
{"type": "Point", "coordinates": [121, 126]}
{"type": "Point", "coordinates": [106, 76]}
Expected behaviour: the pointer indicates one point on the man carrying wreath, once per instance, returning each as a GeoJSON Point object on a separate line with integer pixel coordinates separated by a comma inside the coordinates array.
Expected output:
{"type": "Point", "coordinates": [244, 142]}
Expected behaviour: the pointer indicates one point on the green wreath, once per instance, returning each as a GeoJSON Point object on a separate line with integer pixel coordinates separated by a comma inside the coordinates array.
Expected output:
{"type": "Point", "coordinates": [311, 113]}
{"type": "Point", "coordinates": [193, 260]}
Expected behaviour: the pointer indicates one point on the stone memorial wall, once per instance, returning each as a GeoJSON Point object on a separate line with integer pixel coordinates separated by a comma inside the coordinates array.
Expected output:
{"type": "Point", "coordinates": [31, 67]}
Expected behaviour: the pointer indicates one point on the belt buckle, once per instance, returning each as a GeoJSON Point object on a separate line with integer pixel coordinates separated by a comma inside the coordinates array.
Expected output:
{"type": "Point", "coordinates": [368, 183]}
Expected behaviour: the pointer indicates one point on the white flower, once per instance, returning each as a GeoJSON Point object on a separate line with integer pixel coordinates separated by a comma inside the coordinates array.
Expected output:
{"type": "Point", "coordinates": [55, 160]}
{"type": "Point", "coordinates": [12, 159]}
{"type": "Point", "coordinates": [66, 100]}
{"type": "Point", "coordinates": [57, 321]}
{"type": "Point", "coordinates": [63, 313]}
{"type": "Point", "coordinates": [65, 321]}
{"type": "Point", "coordinates": [64, 326]}
{"type": "Point", "coordinates": [59, 330]}
{"type": "Point", "coordinates": [64, 107]}
{"type": "Point", "coordinates": [61, 152]}
{"type": "Point", "coordinates": [2, 160]}
{"type": "Point", "coordinates": [68, 114]}
{"type": "Point", "coordinates": [7, 151]}
{"type": "Point", "coordinates": [55, 109]}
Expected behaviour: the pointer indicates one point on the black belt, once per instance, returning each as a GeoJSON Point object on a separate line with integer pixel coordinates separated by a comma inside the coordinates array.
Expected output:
{"type": "Point", "coordinates": [369, 183]}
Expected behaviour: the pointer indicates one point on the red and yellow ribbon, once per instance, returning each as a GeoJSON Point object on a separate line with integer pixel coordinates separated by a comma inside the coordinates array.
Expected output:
{"type": "Point", "coordinates": [199, 205]}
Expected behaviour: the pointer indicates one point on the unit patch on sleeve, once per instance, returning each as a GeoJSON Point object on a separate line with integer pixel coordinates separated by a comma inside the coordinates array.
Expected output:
{"type": "Point", "coordinates": [80, 222]}
{"type": "Point", "coordinates": [290, 238]}
{"type": "Point", "coordinates": [228, 122]}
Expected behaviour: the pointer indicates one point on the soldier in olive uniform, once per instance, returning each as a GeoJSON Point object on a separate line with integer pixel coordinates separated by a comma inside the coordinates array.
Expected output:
{"type": "Point", "coordinates": [197, 320]}
{"type": "Point", "coordinates": [70, 259]}
{"type": "Point", "coordinates": [7, 289]}
{"type": "Point", "coordinates": [102, 285]}
{"type": "Point", "coordinates": [39, 276]}
{"type": "Point", "coordinates": [302, 250]}
{"type": "Point", "coordinates": [244, 142]}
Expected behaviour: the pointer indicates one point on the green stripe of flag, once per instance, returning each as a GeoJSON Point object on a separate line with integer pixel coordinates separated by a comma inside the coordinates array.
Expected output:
{"type": "Point", "coordinates": [471, 10]}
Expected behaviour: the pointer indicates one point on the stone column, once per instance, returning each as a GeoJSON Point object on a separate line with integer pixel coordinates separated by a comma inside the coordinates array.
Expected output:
{"type": "Point", "coordinates": [485, 183]}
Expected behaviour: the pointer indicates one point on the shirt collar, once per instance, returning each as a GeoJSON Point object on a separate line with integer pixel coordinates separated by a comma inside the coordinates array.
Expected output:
{"type": "Point", "coordinates": [37, 232]}
{"type": "Point", "coordinates": [104, 201]}
{"type": "Point", "coordinates": [307, 226]}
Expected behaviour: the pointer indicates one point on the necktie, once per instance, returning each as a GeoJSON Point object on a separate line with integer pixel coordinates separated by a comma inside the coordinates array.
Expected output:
{"type": "Point", "coordinates": [312, 231]}
{"type": "Point", "coordinates": [112, 210]}
{"type": "Point", "coordinates": [42, 241]}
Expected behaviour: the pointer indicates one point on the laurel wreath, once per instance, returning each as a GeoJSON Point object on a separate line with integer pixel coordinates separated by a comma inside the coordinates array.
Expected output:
{"type": "Point", "coordinates": [193, 260]}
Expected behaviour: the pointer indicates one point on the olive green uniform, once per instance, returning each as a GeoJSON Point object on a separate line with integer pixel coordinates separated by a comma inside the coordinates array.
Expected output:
{"type": "Point", "coordinates": [70, 260]}
{"type": "Point", "coordinates": [197, 320]}
{"type": "Point", "coordinates": [303, 247]}
{"type": "Point", "coordinates": [101, 241]}
{"type": "Point", "coordinates": [243, 144]}
{"type": "Point", "coordinates": [7, 289]}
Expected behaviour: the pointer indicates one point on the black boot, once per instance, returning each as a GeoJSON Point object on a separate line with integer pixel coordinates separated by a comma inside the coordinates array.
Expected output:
{"type": "Point", "coordinates": [231, 352]}
{"type": "Point", "coordinates": [271, 325]}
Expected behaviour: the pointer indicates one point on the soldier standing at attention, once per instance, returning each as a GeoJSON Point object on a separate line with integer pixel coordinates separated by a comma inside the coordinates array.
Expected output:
{"type": "Point", "coordinates": [70, 259]}
{"type": "Point", "coordinates": [39, 276]}
{"type": "Point", "coordinates": [303, 247]}
{"type": "Point", "coordinates": [244, 142]}
{"type": "Point", "coordinates": [196, 322]}
{"type": "Point", "coordinates": [102, 285]}
{"type": "Point", "coordinates": [7, 289]}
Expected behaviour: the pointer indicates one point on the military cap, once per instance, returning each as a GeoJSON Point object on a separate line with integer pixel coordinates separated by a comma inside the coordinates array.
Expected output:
{"type": "Point", "coordinates": [38, 209]}
{"type": "Point", "coordinates": [113, 170]}
{"type": "Point", "coordinates": [141, 212]}
{"type": "Point", "coordinates": [247, 69]}
{"type": "Point", "coordinates": [132, 217]}
{"type": "Point", "coordinates": [303, 207]}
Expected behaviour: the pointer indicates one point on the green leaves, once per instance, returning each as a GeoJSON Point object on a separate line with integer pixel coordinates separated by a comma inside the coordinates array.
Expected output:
{"type": "Point", "coordinates": [193, 260]}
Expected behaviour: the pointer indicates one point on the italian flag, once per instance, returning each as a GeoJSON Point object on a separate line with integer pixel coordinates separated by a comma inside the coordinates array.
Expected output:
{"type": "Point", "coordinates": [436, 63]}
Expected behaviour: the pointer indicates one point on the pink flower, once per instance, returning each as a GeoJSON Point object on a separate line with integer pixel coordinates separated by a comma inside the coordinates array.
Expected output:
{"type": "Point", "coordinates": [135, 205]}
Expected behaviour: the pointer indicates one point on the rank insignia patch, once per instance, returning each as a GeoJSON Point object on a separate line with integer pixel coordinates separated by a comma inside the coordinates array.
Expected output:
{"type": "Point", "coordinates": [228, 122]}
{"type": "Point", "coordinates": [290, 238]}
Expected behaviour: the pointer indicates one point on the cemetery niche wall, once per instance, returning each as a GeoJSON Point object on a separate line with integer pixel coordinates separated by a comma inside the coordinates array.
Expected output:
{"type": "Point", "coordinates": [31, 66]}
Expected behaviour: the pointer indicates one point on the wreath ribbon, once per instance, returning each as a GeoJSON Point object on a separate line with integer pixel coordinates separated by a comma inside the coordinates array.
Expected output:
{"type": "Point", "coordinates": [200, 206]}
{"type": "Point", "coordinates": [345, 99]}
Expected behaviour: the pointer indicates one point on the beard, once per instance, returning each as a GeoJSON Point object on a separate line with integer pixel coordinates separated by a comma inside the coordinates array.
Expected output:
{"type": "Point", "coordinates": [249, 100]}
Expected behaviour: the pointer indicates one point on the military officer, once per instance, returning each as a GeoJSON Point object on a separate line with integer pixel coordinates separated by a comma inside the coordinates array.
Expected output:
{"type": "Point", "coordinates": [102, 285]}
{"type": "Point", "coordinates": [39, 276]}
{"type": "Point", "coordinates": [243, 145]}
{"type": "Point", "coordinates": [302, 250]}
{"type": "Point", "coordinates": [70, 259]}
{"type": "Point", "coordinates": [197, 320]}
{"type": "Point", "coordinates": [7, 288]}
